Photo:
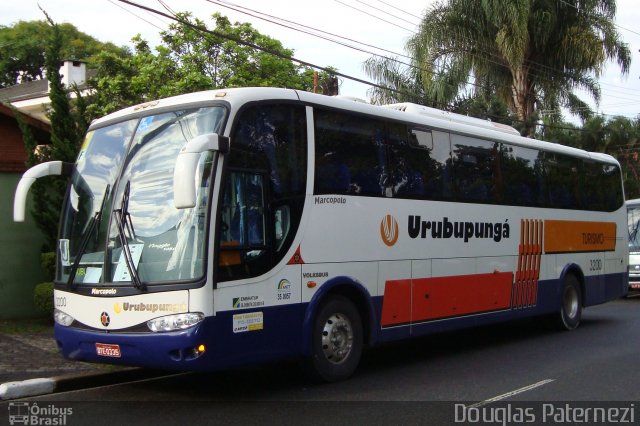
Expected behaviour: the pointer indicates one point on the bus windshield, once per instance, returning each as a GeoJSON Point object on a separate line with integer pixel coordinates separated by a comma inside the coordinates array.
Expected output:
{"type": "Point", "coordinates": [633, 221]}
{"type": "Point", "coordinates": [119, 223]}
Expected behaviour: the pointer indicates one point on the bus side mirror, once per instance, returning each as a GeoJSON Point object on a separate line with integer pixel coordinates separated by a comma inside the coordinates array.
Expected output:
{"type": "Point", "coordinates": [50, 168]}
{"type": "Point", "coordinates": [184, 185]}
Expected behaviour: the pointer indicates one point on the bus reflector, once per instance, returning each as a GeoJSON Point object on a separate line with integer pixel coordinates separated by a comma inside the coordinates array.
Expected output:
{"type": "Point", "coordinates": [195, 352]}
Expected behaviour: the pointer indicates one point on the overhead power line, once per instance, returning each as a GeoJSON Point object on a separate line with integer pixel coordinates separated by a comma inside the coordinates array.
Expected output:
{"type": "Point", "coordinates": [398, 9]}
{"type": "Point", "coordinates": [579, 10]}
{"type": "Point", "coordinates": [373, 16]}
{"type": "Point", "coordinates": [387, 13]}
{"type": "Point", "coordinates": [486, 54]}
{"type": "Point", "coordinates": [263, 49]}
{"type": "Point", "coordinates": [299, 61]}
{"type": "Point", "coordinates": [311, 30]}
{"type": "Point", "coordinates": [137, 16]}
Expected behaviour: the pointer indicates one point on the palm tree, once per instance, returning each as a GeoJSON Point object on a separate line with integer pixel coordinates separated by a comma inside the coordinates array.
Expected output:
{"type": "Point", "coordinates": [532, 53]}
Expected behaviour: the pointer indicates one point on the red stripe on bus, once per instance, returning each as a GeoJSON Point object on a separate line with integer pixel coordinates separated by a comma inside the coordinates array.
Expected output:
{"type": "Point", "coordinates": [396, 304]}
{"type": "Point", "coordinates": [426, 299]}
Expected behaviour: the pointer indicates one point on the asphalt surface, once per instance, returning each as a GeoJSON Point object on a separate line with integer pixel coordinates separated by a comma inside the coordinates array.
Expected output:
{"type": "Point", "coordinates": [35, 355]}
{"type": "Point", "coordinates": [421, 381]}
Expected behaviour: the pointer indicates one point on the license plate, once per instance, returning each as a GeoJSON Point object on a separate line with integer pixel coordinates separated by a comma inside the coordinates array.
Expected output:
{"type": "Point", "coordinates": [103, 349]}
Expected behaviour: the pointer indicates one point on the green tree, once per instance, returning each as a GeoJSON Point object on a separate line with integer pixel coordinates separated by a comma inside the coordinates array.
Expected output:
{"type": "Point", "coordinates": [189, 59]}
{"type": "Point", "coordinates": [618, 136]}
{"type": "Point", "coordinates": [535, 53]}
{"type": "Point", "coordinates": [67, 129]}
{"type": "Point", "coordinates": [22, 52]}
{"type": "Point", "coordinates": [483, 105]}
{"type": "Point", "coordinates": [623, 142]}
{"type": "Point", "coordinates": [65, 135]}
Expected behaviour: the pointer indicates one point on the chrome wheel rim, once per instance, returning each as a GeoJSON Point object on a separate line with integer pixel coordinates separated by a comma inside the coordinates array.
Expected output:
{"type": "Point", "coordinates": [337, 338]}
{"type": "Point", "coordinates": [570, 302]}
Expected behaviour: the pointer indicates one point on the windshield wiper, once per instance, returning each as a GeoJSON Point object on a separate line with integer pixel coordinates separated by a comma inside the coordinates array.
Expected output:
{"type": "Point", "coordinates": [93, 224]}
{"type": "Point", "coordinates": [124, 226]}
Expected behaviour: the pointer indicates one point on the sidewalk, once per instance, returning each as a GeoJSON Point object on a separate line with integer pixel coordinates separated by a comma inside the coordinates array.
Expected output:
{"type": "Point", "coordinates": [30, 365]}
{"type": "Point", "coordinates": [35, 355]}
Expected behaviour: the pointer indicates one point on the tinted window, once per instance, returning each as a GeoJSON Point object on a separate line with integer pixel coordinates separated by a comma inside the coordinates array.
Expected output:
{"type": "Point", "coordinates": [350, 155]}
{"type": "Point", "coordinates": [476, 170]}
{"type": "Point", "coordinates": [561, 178]}
{"type": "Point", "coordinates": [277, 135]}
{"type": "Point", "coordinates": [419, 162]}
{"type": "Point", "coordinates": [522, 176]}
{"type": "Point", "coordinates": [601, 186]}
{"type": "Point", "coordinates": [357, 155]}
{"type": "Point", "coordinates": [264, 191]}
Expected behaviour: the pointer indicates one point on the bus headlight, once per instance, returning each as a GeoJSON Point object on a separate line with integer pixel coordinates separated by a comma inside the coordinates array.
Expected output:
{"type": "Point", "coordinates": [62, 318]}
{"type": "Point", "coordinates": [175, 322]}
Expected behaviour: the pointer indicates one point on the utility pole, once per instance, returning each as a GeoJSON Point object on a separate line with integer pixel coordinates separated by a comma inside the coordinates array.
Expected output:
{"type": "Point", "coordinates": [315, 82]}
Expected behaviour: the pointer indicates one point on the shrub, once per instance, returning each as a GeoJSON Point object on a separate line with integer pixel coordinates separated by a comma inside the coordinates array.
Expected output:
{"type": "Point", "coordinates": [48, 262]}
{"type": "Point", "coordinates": [43, 298]}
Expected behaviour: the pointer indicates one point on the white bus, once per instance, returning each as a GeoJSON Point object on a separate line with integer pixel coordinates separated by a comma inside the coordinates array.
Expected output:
{"type": "Point", "coordinates": [238, 226]}
{"type": "Point", "coordinates": [633, 221]}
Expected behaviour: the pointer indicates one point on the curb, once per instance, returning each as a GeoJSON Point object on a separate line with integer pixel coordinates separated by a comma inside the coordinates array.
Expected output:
{"type": "Point", "coordinates": [43, 386]}
{"type": "Point", "coordinates": [31, 387]}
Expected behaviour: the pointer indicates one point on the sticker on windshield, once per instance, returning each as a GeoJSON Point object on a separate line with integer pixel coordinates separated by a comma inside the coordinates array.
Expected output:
{"type": "Point", "coordinates": [64, 252]}
{"type": "Point", "coordinates": [92, 275]}
{"type": "Point", "coordinates": [122, 273]}
{"type": "Point", "coordinates": [144, 123]}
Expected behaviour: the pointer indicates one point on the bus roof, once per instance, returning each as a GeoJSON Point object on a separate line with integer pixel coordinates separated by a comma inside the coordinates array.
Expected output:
{"type": "Point", "coordinates": [453, 117]}
{"type": "Point", "coordinates": [410, 113]}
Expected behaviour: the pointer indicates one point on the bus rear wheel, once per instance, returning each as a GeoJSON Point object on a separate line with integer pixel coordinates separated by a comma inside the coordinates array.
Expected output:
{"type": "Point", "coordinates": [571, 304]}
{"type": "Point", "coordinates": [336, 340]}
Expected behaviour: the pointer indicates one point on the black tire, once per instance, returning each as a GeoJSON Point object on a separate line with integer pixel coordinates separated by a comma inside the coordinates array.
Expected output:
{"type": "Point", "coordinates": [336, 340]}
{"type": "Point", "coordinates": [570, 304]}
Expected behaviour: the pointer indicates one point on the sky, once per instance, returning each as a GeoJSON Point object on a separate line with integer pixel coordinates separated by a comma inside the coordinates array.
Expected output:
{"type": "Point", "coordinates": [383, 24]}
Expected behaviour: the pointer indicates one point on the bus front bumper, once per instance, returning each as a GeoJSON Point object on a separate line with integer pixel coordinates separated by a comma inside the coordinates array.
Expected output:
{"type": "Point", "coordinates": [179, 350]}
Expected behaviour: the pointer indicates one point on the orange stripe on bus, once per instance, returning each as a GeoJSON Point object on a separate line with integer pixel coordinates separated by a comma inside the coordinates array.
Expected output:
{"type": "Point", "coordinates": [568, 236]}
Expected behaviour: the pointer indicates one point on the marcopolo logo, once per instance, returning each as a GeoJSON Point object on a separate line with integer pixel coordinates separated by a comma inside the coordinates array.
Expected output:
{"type": "Point", "coordinates": [389, 230]}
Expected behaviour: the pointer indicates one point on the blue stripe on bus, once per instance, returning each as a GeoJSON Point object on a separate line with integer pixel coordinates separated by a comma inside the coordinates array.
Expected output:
{"type": "Point", "coordinates": [279, 339]}
{"type": "Point", "coordinates": [283, 332]}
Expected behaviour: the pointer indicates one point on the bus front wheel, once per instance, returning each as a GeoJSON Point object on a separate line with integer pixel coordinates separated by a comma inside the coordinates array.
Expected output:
{"type": "Point", "coordinates": [571, 304]}
{"type": "Point", "coordinates": [336, 340]}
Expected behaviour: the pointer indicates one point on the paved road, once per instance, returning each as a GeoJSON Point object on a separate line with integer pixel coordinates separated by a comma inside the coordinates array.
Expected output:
{"type": "Point", "coordinates": [418, 381]}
